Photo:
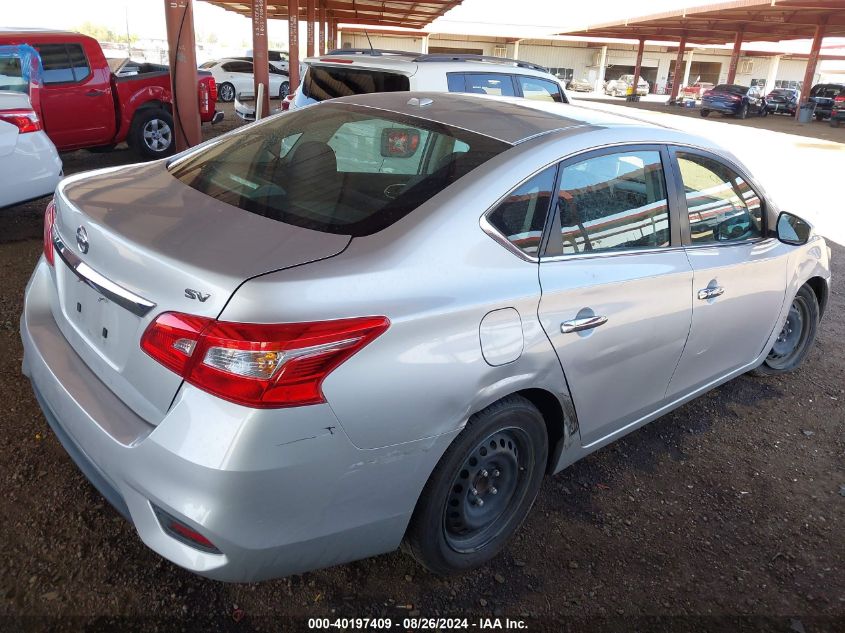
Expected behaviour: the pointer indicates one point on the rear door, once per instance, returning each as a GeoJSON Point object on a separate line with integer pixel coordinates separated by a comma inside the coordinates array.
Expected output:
{"type": "Point", "coordinates": [77, 99]}
{"type": "Point", "coordinates": [615, 285]}
{"type": "Point", "coordinates": [739, 272]}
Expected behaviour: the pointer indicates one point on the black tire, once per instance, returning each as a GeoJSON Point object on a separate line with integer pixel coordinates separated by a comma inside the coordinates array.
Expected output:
{"type": "Point", "coordinates": [449, 532]}
{"type": "Point", "coordinates": [704, 112]}
{"type": "Point", "coordinates": [284, 89]}
{"type": "Point", "coordinates": [153, 134]}
{"type": "Point", "coordinates": [226, 92]}
{"type": "Point", "coordinates": [743, 111]}
{"type": "Point", "coordinates": [819, 116]}
{"type": "Point", "coordinates": [764, 111]}
{"type": "Point", "coordinates": [796, 338]}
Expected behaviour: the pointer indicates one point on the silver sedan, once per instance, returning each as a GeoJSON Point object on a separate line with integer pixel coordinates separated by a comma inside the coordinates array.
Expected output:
{"type": "Point", "coordinates": [383, 319]}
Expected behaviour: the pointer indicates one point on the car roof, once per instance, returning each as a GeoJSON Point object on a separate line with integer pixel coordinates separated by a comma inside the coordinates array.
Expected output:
{"type": "Point", "coordinates": [408, 62]}
{"type": "Point", "coordinates": [24, 33]}
{"type": "Point", "coordinates": [509, 119]}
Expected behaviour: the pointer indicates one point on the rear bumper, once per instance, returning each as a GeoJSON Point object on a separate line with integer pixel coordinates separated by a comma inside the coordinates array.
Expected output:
{"type": "Point", "coordinates": [720, 107]}
{"type": "Point", "coordinates": [31, 170]}
{"type": "Point", "coordinates": [276, 491]}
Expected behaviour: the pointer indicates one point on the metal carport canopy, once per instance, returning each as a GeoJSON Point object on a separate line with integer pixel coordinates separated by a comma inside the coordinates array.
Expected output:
{"type": "Point", "coordinates": [401, 13]}
{"type": "Point", "coordinates": [759, 20]}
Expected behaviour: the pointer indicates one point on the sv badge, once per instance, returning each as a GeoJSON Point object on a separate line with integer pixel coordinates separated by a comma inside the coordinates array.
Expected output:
{"type": "Point", "coordinates": [196, 294]}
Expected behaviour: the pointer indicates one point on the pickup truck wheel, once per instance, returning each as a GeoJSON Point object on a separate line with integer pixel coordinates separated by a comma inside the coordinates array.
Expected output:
{"type": "Point", "coordinates": [481, 489]}
{"type": "Point", "coordinates": [152, 133]}
{"type": "Point", "coordinates": [226, 92]}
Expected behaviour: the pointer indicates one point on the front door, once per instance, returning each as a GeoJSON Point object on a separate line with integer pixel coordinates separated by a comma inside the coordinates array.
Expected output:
{"type": "Point", "coordinates": [77, 100]}
{"type": "Point", "coordinates": [739, 273]}
{"type": "Point", "coordinates": [615, 286]}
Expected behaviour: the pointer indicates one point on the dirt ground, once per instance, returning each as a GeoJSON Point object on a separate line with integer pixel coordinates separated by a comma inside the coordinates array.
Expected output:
{"type": "Point", "coordinates": [726, 515]}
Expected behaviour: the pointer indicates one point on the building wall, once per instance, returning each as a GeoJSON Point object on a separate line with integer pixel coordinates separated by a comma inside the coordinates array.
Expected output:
{"type": "Point", "coordinates": [582, 61]}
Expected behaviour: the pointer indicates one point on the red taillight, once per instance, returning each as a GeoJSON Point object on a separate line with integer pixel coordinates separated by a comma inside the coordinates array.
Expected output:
{"type": "Point", "coordinates": [286, 102]}
{"type": "Point", "coordinates": [212, 91]}
{"type": "Point", "coordinates": [203, 98]}
{"type": "Point", "coordinates": [254, 364]}
{"type": "Point", "coordinates": [49, 221]}
{"type": "Point", "coordinates": [24, 120]}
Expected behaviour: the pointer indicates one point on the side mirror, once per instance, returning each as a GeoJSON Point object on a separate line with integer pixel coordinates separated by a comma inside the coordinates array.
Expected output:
{"type": "Point", "coordinates": [398, 142]}
{"type": "Point", "coordinates": [792, 229]}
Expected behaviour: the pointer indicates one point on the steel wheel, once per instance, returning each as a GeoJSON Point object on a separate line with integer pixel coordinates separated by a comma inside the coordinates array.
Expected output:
{"type": "Point", "coordinates": [157, 135]}
{"type": "Point", "coordinates": [793, 336]}
{"type": "Point", "coordinates": [490, 484]}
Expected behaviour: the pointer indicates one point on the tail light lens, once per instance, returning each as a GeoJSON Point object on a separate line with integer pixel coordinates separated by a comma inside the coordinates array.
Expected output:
{"type": "Point", "coordinates": [25, 120]}
{"type": "Point", "coordinates": [258, 365]}
{"type": "Point", "coordinates": [203, 97]}
{"type": "Point", "coordinates": [286, 102]}
{"type": "Point", "coordinates": [49, 221]}
{"type": "Point", "coordinates": [212, 92]}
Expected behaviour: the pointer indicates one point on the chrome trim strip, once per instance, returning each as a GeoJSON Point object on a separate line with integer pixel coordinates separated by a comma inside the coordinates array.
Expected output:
{"type": "Point", "coordinates": [500, 239]}
{"type": "Point", "coordinates": [118, 294]}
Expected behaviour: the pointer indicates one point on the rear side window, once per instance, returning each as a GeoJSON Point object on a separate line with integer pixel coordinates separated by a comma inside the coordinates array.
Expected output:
{"type": "Point", "coordinates": [455, 81]}
{"type": "Point", "coordinates": [489, 84]}
{"type": "Point", "coordinates": [327, 82]}
{"type": "Point", "coordinates": [521, 216]}
{"type": "Point", "coordinates": [337, 169]}
{"type": "Point", "coordinates": [237, 67]}
{"type": "Point", "coordinates": [539, 89]}
{"type": "Point", "coordinates": [63, 63]}
{"type": "Point", "coordinates": [722, 207]}
{"type": "Point", "coordinates": [613, 202]}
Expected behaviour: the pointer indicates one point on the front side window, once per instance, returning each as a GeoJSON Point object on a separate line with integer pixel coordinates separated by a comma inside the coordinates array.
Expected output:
{"type": "Point", "coordinates": [722, 207]}
{"type": "Point", "coordinates": [489, 84]}
{"type": "Point", "coordinates": [327, 82]}
{"type": "Point", "coordinates": [521, 216]}
{"type": "Point", "coordinates": [337, 169]}
{"type": "Point", "coordinates": [78, 62]}
{"type": "Point", "coordinates": [613, 202]}
{"type": "Point", "coordinates": [539, 89]}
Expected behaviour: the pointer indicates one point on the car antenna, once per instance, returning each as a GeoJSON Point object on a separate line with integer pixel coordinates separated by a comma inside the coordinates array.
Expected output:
{"type": "Point", "coordinates": [372, 50]}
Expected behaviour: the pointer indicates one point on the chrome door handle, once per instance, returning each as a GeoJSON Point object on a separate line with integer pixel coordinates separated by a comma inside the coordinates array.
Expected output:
{"type": "Point", "coordinates": [710, 293]}
{"type": "Point", "coordinates": [578, 325]}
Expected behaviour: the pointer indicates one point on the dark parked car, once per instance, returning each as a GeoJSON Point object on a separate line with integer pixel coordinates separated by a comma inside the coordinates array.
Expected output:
{"type": "Point", "coordinates": [740, 101]}
{"type": "Point", "coordinates": [580, 85]}
{"type": "Point", "coordinates": [823, 95]}
{"type": "Point", "coordinates": [837, 114]}
{"type": "Point", "coordinates": [783, 100]}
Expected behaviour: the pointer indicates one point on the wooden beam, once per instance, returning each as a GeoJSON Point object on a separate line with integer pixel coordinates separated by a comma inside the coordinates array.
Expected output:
{"type": "Point", "coordinates": [182, 56]}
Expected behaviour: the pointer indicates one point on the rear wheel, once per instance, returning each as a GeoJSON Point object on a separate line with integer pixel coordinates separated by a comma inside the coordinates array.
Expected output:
{"type": "Point", "coordinates": [764, 111]}
{"type": "Point", "coordinates": [743, 111]}
{"type": "Point", "coordinates": [795, 338]}
{"type": "Point", "coordinates": [226, 92]}
{"type": "Point", "coordinates": [482, 488]}
{"type": "Point", "coordinates": [704, 112]}
{"type": "Point", "coordinates": [284, 89]}
{"type": "Point", "coordinates": [152, 133]}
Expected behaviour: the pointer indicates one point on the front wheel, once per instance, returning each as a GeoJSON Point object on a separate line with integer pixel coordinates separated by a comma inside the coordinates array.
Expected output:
{"type": "Point", "coordinates": [481, 489]}
{"type": "Point", "coordinates": [284, 89]}
{"type": "Point", "coordinates": [152, 134]}
{"type": "Point", "coordinates": [796, 336]}
{"type": "Point", "coordinates": [743, 111]}
{"type": "Point", "coordinates": [704, 112]}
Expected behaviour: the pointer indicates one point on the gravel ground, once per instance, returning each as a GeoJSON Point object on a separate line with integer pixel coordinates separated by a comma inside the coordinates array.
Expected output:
{"type": "Point", "coordinates": [725, 515]}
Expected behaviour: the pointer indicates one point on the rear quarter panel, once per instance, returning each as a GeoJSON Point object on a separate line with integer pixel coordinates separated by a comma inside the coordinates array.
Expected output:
{"type": "Point", "coordinates": [435, 274]}
{"type": "Point", "coordinates": [134, 92]}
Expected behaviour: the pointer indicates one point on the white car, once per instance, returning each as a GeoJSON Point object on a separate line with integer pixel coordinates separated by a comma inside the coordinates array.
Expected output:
{"type": "Point", "coordinates": [345, 72]}
{"type": "Point", "coordinates": [30, 166]}
{"type": "Point", "coordinates": [279, 59]}
{"type": "Point", "coordinates": [235, 77]}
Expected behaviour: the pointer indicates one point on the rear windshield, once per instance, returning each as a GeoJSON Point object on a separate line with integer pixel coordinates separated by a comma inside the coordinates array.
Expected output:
{"type": "Point", "coordinates": [732, 88]}
{"type": "Point", "coordinates": [336, 168]}
{"type": "Point", "coordinates": [328, 82]}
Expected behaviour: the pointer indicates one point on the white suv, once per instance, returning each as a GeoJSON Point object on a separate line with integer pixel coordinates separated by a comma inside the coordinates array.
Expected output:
{"type": "Point", "coordinates": [346, 72]}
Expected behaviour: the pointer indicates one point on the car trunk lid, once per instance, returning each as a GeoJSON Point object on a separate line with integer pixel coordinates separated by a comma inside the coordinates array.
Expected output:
{"type": "Point", "coordinates": [138, 242]}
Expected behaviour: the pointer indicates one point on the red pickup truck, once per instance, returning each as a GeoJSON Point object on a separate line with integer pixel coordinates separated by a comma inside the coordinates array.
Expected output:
{"type": "Point", "coordinates": [85, 105]}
